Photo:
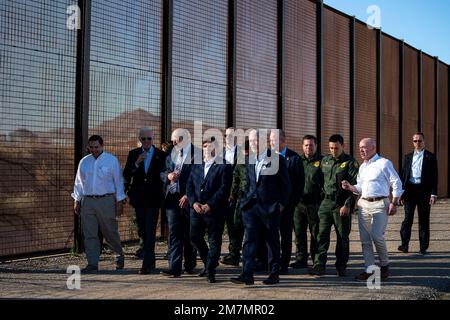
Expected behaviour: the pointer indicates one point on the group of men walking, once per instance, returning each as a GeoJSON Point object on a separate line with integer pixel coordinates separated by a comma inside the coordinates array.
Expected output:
{"type": "Point", "coordinates": [262, 194]}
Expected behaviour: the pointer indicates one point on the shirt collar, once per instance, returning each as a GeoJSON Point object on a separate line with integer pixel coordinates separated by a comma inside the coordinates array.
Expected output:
{"type": "Point", "coordinates": [186, 149]}
{"type": "Point", "coordinates": [99, 157]}
{"type": "Point", "coordinates": [283, 152]}
{"type": "Point", "coordinates": [150, 149]}
{"type": "Point", "coordinates": [210, 161]}
{"type": "Point", "coordinates": [419, 153]}
{"type": "Point", "coordinates": [374, 158]}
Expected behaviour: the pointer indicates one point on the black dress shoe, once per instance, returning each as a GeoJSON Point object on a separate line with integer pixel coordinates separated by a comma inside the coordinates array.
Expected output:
{"type": "Point", "coordinates": [272, 279]}
{"type": "Point", "coordinates": [341, 272]}
{"type": "Point", "coordinates": [89, 269]}
{"type": "Point", "coordinates": [317, 271]}
{"type": "Point", "coordinates": [230, 260]}
{"type": "Point", "coordinates": [242, 280]}
{"type": "Point", "coordinates": [189, 271]}
{"type": "Point", "coordinates": [299, 265]}
{"type": "Point", "coordinates": [146, 270]}
{"type": "Point", "coordinates": [211, 278]}
{"type": "Point", "coordinates": [403, 249]}
{"type": "Point", "coordinates": [170, 274]}
{"type": "Point", "coordinates": [120, 264]}
{"type": "Point", "coordinates": [203, 273]}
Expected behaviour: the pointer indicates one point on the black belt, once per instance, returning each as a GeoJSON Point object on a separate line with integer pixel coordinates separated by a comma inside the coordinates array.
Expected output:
{"type": "Point", "coordinates": [330, 197]}
{"type": "Point", "coordinates": [372, 199]}
{"type": "Point", "coordinates": [99, 196]}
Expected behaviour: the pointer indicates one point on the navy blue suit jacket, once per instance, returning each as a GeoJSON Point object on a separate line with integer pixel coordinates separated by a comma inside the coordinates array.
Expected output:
{"type": "Point", "coordinates": [296, 173]}
{"type": "Point", "coordinates": [213, 189]}
{"type": "Point", "coordinates": [144, 189]}
{"type": "Point", "coordinates": [270, 191]}
{"type": "Point", "coordinates": [429, 172]}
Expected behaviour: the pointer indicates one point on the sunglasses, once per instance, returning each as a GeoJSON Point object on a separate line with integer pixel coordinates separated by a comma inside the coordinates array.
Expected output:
{"type": "Point", "coordinates": [416, 141]}
{"type": "Point", "coordinates": [146, 138]}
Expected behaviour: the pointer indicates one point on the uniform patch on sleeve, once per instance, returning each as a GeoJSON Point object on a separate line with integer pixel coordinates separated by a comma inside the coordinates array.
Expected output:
{"type": "Point", "coordinates": [317, 164]}
{"type": "Point", "coordinates": [343, 165]}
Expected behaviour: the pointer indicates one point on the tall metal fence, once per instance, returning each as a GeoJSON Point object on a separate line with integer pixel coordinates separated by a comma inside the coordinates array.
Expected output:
{"type": "Point", "coordinates": [293, 64]}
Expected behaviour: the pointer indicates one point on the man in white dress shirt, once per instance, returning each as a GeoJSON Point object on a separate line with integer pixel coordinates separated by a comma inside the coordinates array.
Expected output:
{"type": "Point", "coordinates": [99, 196]}
{"type": "Point", "coordinates": [375, 178]}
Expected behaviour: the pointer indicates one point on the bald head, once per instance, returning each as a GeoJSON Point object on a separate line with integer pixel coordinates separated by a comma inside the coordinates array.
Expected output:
{"type": "Point", "coordinates": [180, 138]}
{"type": "Point", "coordinates": [367, 148]}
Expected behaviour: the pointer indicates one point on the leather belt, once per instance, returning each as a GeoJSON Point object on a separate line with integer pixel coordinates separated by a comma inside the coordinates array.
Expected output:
{"type": "Point", "coordinates": [373, 199]}
{"type": "Point", "coordinates": [99, 196]}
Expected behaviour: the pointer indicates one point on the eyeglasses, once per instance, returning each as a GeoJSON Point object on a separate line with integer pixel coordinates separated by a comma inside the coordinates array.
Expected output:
{"type": "Point", "coordinates": [416, 141]}
{"type": "Point", "coordinates": [146, 138]}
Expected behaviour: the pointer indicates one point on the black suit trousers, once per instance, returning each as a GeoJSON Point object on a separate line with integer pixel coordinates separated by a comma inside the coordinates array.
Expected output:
{"type": "Point", "coordinates": [414, 197]}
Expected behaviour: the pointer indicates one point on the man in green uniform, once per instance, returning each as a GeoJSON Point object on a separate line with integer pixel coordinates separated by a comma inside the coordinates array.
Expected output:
{"type": "Point", "coordinates": [335, 209]}
{"type": "Point", "coordinates": [306, 213]}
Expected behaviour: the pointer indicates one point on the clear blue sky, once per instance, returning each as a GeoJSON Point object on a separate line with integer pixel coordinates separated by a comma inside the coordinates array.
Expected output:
{"type": "Point", "coordinates": [423, 24]}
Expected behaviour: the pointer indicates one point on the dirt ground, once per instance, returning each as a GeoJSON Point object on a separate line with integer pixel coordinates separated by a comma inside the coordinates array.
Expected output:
{"type": "Point", "coordinates": [413, 276]}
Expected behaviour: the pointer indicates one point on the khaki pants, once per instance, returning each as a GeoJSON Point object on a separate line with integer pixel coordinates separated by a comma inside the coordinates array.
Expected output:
{"type": "Point", "coordinates": [101, 212]}
{"type": "Point", "coordinates": [373, 221]}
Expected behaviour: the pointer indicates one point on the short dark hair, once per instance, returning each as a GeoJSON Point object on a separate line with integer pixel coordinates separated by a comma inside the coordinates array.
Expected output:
{"type": "Point", "coordinates": [309, 137]}
{"type": "Point", "coordinates": [419, 134]}
{"type": "Point", "coordinates": [96, 137]}
{"type": "Point", "coordinates": [336, 138]}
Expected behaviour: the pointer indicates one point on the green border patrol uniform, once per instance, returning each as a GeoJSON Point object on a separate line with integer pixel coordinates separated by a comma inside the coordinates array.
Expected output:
{"type": "Point", "coordinates": [306, 213]}
{"type": "Point", "coordinates": [335, 171]}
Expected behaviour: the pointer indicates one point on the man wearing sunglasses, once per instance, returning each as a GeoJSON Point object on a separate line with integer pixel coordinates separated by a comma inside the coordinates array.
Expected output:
{"type": "Point", "coordinates": [420, 179]}
{"type": "Point", "coordinates": [144, 188]}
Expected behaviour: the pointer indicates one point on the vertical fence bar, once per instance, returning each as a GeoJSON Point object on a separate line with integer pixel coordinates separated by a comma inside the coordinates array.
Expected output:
{"type": "Point", "coordinates": [379, 89]}
{"type": "Point", "coordinates": [82, 101]}
{"type": "Point", "coordinates": [401, 102]}
{"type": "Point", "coordinates": [420, 91]}
{"type": "Point", "coordinates": [280, 104]}
{"type": "Point", "coordinates": [231, 64]}
{"type": "Point", "coordinates": [319, 22]}
{"type": "Point", "coordinates": [166, 85]}
{"type": "Point", "coordinates": [352, 84]}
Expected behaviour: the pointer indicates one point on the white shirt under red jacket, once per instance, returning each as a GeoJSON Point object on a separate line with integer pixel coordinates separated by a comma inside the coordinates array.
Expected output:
{"type": "Point", "coordinates": [99, 177]}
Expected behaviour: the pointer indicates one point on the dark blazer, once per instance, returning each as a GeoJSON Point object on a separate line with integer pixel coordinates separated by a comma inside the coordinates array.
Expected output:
{"type": "Point", "coordinates": [212, 189]}
{"type": "Point", "coordinates": [296, 173]}
{"type": "Point", "coordinates": [195, 157]}
{"type": "Point", "coordinates": [270, 191]}
{"type": "Point", "coordinates": [144, 189]}
{"type": "Point", "coordinates": [429, 179]}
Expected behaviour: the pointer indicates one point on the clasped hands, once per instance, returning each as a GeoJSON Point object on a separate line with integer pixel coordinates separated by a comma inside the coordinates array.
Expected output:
{"type": "Point", "coordinates": [201, 208]}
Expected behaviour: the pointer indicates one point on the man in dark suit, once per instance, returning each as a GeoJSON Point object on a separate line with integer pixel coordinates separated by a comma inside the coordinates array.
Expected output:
{"type": "Point", "coordinates": [235, 230]}
{"type": "Point", "coordinates": [266, 195]}
{"type": "Point", "coordinates": [177, 170]}
{"type": "Point", "coordinates": [297, 182]}
{"type": "Point", "coordinates": [144, 188]}
{"type": "Point", "coordinates": [420, 179]}
{"type": "Point", "coordinates": [207, 189]}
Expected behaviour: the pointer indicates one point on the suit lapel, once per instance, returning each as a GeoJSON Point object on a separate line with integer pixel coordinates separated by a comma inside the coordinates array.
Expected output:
{"type": "Point", "coordinates": [210, 172]}
{"type": "Point", "coordinates": [153, 161]}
